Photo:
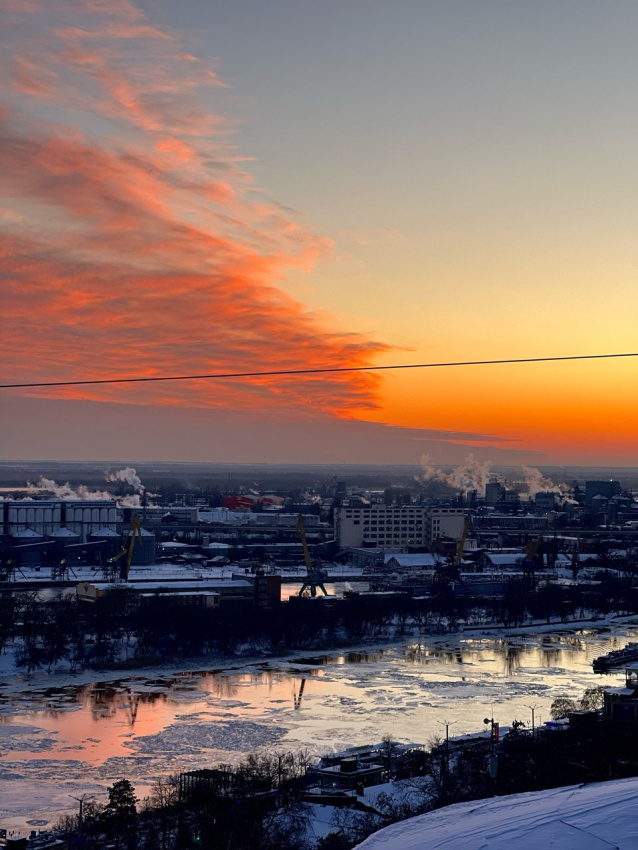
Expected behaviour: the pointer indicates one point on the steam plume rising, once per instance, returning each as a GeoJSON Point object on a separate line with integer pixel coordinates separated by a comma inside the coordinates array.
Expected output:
{"type": "Point", "coordinates": [128, 475]}
{"type": "Point", "coordinates": [474, 475]}
{"type": "Point", "coordinates": [81, 492]}
{"type": "Point", "coordinates": [470, 475]}
{"type": "Point", "coordinates": [66, 492]}
{"type": "Point", "coordinates": [537, 483]}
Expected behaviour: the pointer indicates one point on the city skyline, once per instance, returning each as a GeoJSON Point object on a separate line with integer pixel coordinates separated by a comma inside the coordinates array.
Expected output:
{"type": "Point", "coordinates": [203, 188]}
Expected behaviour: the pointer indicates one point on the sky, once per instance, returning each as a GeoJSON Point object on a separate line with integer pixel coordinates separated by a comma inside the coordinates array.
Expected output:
{"type": "Point", "coordinates": [207, 186]}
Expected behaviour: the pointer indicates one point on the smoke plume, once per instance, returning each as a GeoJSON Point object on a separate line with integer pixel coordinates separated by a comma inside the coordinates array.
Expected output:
{"type": "Point", "coordinates": [537, 483]}
{"type": "Point", "coordinates": [81, 493]}
{"type": "Point", "coordinates": [470, 475]}
{"type": "Point", "coordinates": [473, 475]}
{"type": "Point", "coordinates": [128, 475]}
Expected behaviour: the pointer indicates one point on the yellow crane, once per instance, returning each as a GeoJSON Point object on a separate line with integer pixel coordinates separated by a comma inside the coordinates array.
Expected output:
{"type": "Point", "coordinates": [127, 549]}
{"type": "Point", "coordinates": [315, 577]}
{"type": "Point", "coordinates": [445, 575]}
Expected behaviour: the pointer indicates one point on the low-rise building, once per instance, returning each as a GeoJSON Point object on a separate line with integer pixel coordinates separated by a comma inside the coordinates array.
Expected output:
{"type": "Point", "coordinates": [622, 703]}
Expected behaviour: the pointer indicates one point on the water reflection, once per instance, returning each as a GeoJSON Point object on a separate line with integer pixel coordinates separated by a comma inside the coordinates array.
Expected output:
{"type": "Point", "coordinates": [357, 657]}
{"type": "Point", "coordinates": [321, 700]}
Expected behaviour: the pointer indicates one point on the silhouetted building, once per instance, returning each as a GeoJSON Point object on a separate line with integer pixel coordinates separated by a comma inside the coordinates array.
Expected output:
{"type": "Point", "coordinates": [606, 489]}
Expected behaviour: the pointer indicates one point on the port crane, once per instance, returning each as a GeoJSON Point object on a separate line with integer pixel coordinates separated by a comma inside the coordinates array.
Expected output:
{"type": "Point", "coordinates": [315, 576]}
{"type": "Point", "coordinates": [445, 575]}
{"type": "Point", "coordinates": [126, 554]}
{"type": "Point", "coordinates": [533, 557]}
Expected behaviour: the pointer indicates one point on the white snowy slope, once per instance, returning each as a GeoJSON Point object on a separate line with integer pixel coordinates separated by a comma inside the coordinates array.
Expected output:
{"type": "Point", "coordinates": [599, 816]}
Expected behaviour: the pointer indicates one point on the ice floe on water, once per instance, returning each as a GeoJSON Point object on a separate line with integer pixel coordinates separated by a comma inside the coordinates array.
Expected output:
{"type": "Point", "coordinates": [16, 731]}
{"type": "Point", "coordinates": [43, 769]}
{"type": "Point", "coordinates": [30, 739]}
{"type": "Point", "coordinates": [191, 738]}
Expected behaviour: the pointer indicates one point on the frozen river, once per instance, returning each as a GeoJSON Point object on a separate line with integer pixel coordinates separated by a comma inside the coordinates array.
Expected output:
{"type": "Point", "coordinates": [59, 741]}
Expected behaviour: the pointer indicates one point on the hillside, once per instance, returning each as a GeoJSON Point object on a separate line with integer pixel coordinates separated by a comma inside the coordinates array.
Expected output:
{"type": "Point", "coordinates": [599, 816]}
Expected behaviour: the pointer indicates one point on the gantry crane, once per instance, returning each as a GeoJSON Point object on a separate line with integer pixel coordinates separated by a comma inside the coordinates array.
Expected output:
{"type": "Point", "coordinates": [126, 554]}
{"type": "Point", "coordinates": [315, 576]}
{"type": "Point", "coordinates": [533, 557]}
{"type": "Point", "coordinates": [444, 576]}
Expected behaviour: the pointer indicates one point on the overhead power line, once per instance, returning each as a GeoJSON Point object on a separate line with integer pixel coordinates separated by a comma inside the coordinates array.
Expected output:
{"type": "Point", "coordinates": [273, 373]}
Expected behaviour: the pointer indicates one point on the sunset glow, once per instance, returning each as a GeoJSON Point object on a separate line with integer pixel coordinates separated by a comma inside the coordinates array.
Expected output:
{"type": "Point", "coordinates": [147, 228]}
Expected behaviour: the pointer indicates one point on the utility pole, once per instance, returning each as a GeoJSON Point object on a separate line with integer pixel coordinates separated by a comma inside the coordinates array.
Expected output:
{"type": "Point", "coordinates": [533, 708]}
{"type": "Point", "coordinates": [493, 759]}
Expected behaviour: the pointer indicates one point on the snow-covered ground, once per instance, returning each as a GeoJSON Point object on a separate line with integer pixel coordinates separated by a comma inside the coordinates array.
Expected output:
{"type": "Point", "coordinates": [167, 571]}
{"type": "Point", "coordinates": [599, 816]}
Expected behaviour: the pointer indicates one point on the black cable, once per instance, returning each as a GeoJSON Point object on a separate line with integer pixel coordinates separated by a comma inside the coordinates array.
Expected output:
{"type": "Point", "coordinates": [330, 369]}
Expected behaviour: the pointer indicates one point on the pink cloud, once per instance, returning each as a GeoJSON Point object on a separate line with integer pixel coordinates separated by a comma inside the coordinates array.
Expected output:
{"type": "Point", "coordinates": [141, 250]}
{"type": "Point", "coordinates": [29, 78]}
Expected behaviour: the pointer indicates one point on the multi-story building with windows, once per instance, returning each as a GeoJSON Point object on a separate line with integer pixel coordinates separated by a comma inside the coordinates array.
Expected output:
{"type": "Point", "coordinates": [396, 528]}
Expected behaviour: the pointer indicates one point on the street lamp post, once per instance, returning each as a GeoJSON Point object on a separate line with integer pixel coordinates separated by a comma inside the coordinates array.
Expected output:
{"type": "Point", "coordinates": [447, 725]}
{"type": "Point", "coordinates": [533, 708]}
{"type": "Point", "coordinates": [80, 800]}
{"type": "Point", "coordinates": [493, 760]}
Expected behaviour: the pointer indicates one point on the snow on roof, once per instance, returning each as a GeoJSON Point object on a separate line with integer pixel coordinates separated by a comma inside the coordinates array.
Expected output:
{"type": "Point", "coordinates": [590, 817]}
{"type": "Point", "coordinates": [193, 585]}
{"type": "Point", "coordinates": [411, 560]}
{"type": "Point", "coordinates": [187, 593]}
{"type": "Point", "coordinates": [27, 534]}
{"type": "Point", "coordinates": [505, 559]}
{"type": "Point", "coordinates": [105, 532]}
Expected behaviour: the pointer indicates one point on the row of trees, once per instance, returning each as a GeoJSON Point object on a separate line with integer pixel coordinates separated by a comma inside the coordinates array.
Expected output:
{"type": "Point", "coordinates": [122, 624]}
{"type": "Point", "coordinates": [256, 804]}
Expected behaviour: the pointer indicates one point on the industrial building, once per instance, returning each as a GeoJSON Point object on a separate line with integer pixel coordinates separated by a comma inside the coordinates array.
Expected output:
{"type": "Point", "coordinates": [396, 527]}
{"type": "Point", "coordinates": [45, 517]}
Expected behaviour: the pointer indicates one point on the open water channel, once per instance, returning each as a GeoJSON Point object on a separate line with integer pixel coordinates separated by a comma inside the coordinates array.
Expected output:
{"type": "Point", "coordinates": [59, 740]}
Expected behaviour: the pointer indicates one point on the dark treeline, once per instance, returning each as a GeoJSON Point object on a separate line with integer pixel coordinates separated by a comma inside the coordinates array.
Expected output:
{"type": "Point", "coordinates": [262, 804]}
{"type": "Point", "coordinates": [122, 626]}
{"type": "Point", "coordinates": [256, 804]}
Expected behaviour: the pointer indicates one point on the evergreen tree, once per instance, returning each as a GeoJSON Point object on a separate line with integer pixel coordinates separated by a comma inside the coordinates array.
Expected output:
{"type": "Point", "coordinates": [121, 814]}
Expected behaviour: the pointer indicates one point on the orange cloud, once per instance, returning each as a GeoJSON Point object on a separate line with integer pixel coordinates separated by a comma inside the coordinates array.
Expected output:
{"type": "Point", "coordinates": [176, 148]}
{"type": "Point", "coordinates": [140, 251]}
